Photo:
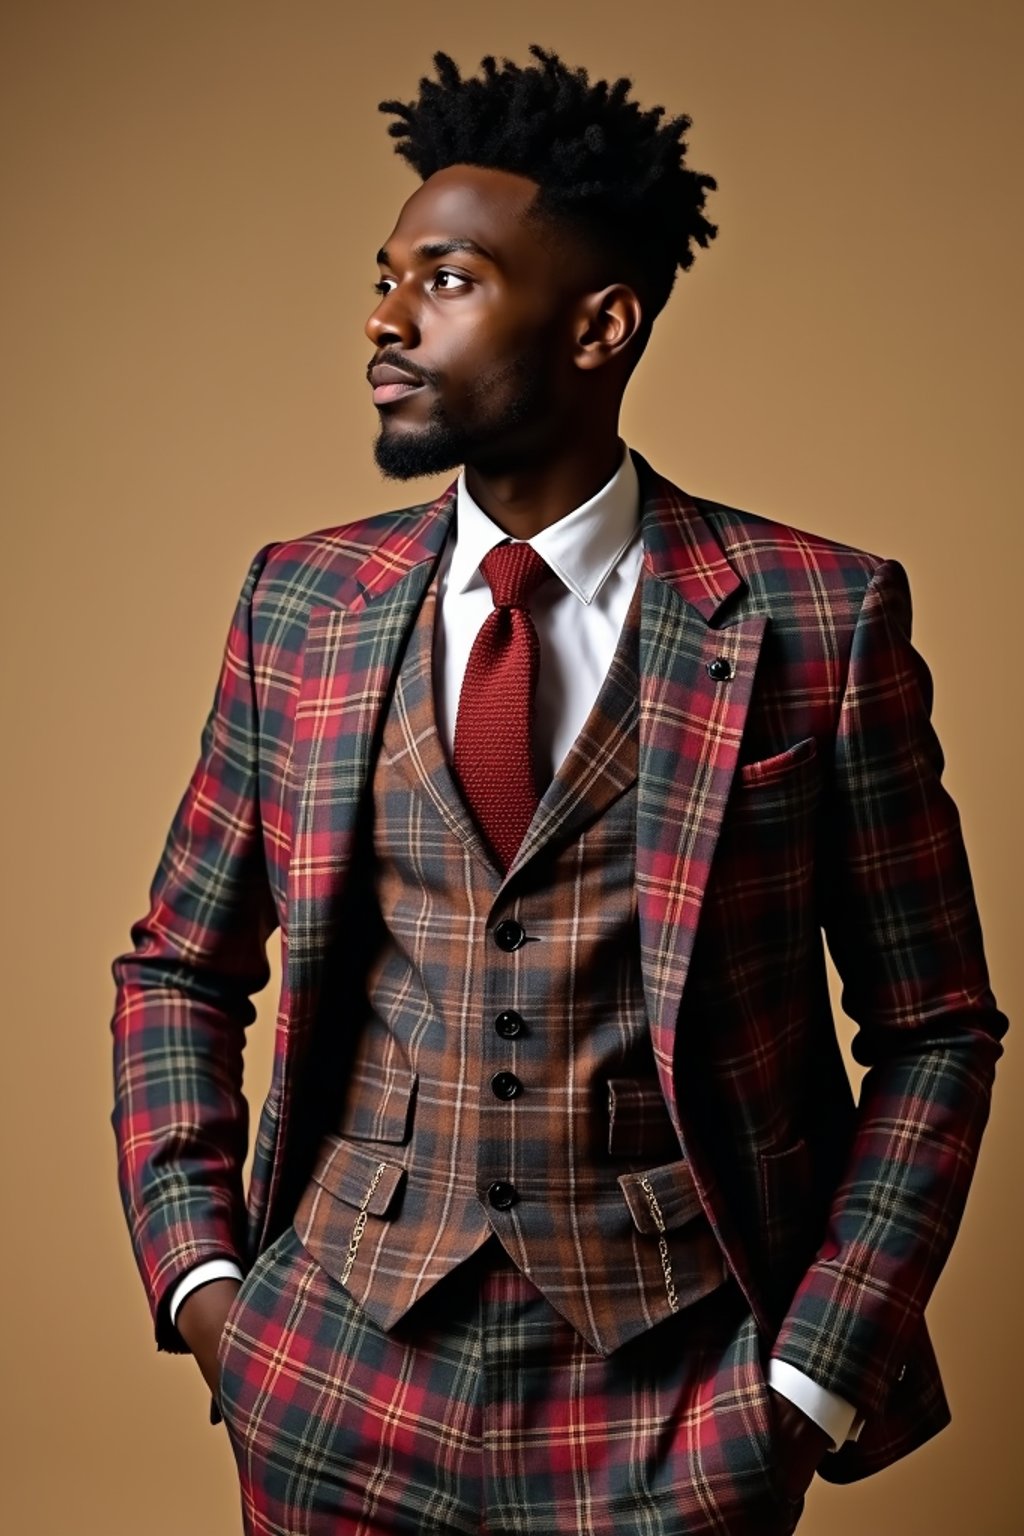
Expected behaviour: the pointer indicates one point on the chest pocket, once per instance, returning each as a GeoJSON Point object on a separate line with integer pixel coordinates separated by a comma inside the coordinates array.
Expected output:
{"type": "Point", "coordinates": [780, 767]}
{"type": "Point", "coordinates": [764, 860]}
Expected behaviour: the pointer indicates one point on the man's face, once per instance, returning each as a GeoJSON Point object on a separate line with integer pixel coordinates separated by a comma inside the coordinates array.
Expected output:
{"type": "Point", "coordinates": [473, 315]}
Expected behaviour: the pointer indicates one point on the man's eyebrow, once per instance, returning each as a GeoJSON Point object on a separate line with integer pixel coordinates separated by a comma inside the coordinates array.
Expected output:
{"type": "Point", "coordinates": [428, 249]}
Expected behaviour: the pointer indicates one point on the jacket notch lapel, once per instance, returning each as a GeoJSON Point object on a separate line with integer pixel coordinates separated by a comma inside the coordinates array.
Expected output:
{"type": "Point", "coordinates": [420, 760]}
{"type": "Point", "coordinates": [696, 682]}
{"type": "Point", "coordinates": [680, 547]}
{"type": "Point", "coordinates": [352, 649]}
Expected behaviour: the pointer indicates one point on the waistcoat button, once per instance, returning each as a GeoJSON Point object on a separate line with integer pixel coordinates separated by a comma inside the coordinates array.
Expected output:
{"type": "Point", "coordinates": [509, 934]}
{"type": "Point", "coordinates": [502, 1195]}
{"type": "Point", "coordinates": [505, 1085]}
{"type": "Point", "coordinates": [720, 669]}
{"type": "Point", "coordinates": [509, 1024]}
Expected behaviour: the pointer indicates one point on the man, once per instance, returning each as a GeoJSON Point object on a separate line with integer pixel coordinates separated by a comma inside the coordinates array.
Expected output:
{"type": "Point", "coordinates": [562, 1216]}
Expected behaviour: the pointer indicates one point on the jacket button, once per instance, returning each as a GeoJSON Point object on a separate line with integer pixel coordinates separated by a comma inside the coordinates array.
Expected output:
{"type": "Point", "coordinates": [509, 1024]}
{"type": "Point", "coordinates": [505, 1085]}
{"type": "Point", "coordinates": [502, 1195]}
{"type": "Point", "coordinates": [720, 669]}
{"type": "Point", "coordinates": [509, 934]}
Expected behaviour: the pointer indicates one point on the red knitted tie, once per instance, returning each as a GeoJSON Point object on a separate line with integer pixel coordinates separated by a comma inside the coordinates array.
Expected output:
{"type": "Point", "coordinates": [492, 755]}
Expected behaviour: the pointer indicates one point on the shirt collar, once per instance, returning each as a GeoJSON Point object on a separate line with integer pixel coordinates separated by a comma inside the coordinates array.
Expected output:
{"type": "Point", "coordinates": [582, 548]}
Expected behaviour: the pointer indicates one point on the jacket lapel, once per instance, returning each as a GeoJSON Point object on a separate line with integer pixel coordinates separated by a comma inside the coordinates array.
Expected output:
{"type": "Point", "coordinates": [421, 759]}
{"type": "Point", "coordinates": [696, 677]}
{"type": "Point", "coordinates": [353, 646]}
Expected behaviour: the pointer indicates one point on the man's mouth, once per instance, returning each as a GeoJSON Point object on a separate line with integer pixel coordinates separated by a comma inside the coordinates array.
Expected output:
{"type": "Point", "coordinates": [384, 394]}
{"type": "Point", "coordinates": [391, 383]}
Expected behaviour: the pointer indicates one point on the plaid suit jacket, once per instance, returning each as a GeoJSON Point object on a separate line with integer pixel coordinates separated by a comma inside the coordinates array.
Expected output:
{"type": "Point", "coordinates": [789, 786]}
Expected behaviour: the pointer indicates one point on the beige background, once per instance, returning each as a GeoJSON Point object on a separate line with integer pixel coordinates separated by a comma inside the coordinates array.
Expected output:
{"type": "Point", "coordinates": [192, 196]}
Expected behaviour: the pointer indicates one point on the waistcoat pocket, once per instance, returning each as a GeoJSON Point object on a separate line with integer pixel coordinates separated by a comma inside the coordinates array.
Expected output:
{"type": "Point", "coordinates": [378, 1102]}
{"type": "Point", "coordinates": [674, 1195]}
{"type": "Point", "coordinates": [353, 1174]}
{"type": "Point", "coordinates": [349, 1185]}
{"type": "Point", "coordinates": [638, 1121]}
{"type": "Point", "coordinates": [662, 1201]}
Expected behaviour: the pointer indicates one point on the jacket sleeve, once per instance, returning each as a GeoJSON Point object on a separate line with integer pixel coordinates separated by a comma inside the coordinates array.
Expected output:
{"type": "Point", "coordinates": [901, 924]}
{"type": "Point", "coordinates": [182, 1001]}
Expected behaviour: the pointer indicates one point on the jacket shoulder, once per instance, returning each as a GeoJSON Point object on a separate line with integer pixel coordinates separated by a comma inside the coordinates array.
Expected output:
{"type": "Point", "coordinates": [755, 542]}
{"type": "Point", "coordinates": [781, 563]}
{"type": "Point", "coordinates": [311, 566]}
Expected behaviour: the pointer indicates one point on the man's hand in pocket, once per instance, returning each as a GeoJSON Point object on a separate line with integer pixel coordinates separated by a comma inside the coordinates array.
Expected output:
{"type": "Point", "coordinates": [201, 1322]}
{"type": "Point", "coordinates": [799, 1446]}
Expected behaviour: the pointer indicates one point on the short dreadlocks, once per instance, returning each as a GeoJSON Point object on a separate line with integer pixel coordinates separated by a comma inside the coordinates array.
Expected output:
{"type": "Point", "coordinates": [605, 168]}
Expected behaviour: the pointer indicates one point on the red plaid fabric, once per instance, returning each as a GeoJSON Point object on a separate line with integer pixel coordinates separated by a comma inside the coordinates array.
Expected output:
{"type": "Point", "coordinates": [483, 1410]}
{"type": "Point", "coordinates": [493, 747]}
{"type": "Point", "coordinates": [789, 787]}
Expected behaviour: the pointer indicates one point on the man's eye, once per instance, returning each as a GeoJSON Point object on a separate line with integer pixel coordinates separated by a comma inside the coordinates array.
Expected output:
{"type": "Point", "coordinates": [381, 286]}
{"type": "Point", "coordinates": [451, 278]}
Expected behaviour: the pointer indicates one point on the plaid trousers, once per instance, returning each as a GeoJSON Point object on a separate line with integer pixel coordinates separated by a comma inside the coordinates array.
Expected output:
{"type": "Point", "coordinates": [482, 1410]}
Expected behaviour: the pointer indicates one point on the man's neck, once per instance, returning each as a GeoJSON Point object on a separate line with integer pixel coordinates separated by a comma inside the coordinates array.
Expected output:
{"type": "Point", "coordinates": [522, 503]}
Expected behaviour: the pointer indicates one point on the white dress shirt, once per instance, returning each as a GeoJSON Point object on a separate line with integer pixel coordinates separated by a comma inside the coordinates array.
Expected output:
{"type": "Point", "coordinates": [596, 552]}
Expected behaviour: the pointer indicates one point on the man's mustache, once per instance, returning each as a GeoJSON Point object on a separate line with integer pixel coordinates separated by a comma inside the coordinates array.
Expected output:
{"type": "Point", "coordinates": [396, 360]}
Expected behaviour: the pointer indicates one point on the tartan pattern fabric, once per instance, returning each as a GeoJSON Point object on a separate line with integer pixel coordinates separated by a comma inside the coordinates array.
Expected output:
{"type": "Point", "coordinates": [484, 1411]}
{"type": "Point", "coordinates": [420, 1085]}
{"type": "Point", "coordinates": [493, 746]}
{"type": "Point", "coordinates": [788, 784]}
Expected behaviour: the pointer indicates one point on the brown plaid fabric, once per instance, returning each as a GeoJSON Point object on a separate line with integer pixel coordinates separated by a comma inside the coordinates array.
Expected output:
{"type": "Point", "coordinates": [555, 1135]}
{"type": "Point", "coordinates": [482, 1410]}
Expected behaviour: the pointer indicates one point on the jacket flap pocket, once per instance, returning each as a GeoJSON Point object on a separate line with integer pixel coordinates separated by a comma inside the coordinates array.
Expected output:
{"type": "Point", "coordinates": [378, 1102]}
{"type": "Point", "coordinates": [638, 1121]}
{"type": "Point", "coordinates": [662, 1198]}
{"type": "Point", "coordinates": [785, 1176]}
{"type": "Point", "coordinates": [357, 1176]}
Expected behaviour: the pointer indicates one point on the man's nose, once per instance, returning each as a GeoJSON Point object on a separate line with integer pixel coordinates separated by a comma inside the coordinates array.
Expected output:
{"type": "Point", "coordinates": [391, 323]}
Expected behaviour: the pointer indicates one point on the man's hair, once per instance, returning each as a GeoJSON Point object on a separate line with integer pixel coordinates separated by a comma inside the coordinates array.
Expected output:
{"type": "Point", "coordinates": [606, 169]}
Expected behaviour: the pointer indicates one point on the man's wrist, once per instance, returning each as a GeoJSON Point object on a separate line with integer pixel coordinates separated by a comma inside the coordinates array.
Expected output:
{"type": "Point", "coordinates": [202, 1274]}
{"type": "Point", "coordinates": [832, 1413]}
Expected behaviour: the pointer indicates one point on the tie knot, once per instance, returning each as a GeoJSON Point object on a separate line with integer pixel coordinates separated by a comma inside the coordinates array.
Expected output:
{"type": "Point", "coordinates": [513, 572]}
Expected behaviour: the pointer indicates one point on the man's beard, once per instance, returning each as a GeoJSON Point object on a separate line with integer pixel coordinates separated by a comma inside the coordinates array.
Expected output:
{"type": "Point", "coordinates": [481, 440]}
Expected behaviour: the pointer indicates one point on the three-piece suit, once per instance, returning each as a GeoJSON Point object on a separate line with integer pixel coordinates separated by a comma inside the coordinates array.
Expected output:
{"type": "Point", "coordinates": [553, 1156]}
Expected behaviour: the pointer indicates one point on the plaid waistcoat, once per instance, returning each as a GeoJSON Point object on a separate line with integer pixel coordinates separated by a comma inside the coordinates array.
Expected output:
{"type": "Point", "coordinates": [504, 1079]}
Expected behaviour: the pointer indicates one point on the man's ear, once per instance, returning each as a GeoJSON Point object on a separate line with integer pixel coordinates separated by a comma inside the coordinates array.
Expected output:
{"type": "Point", "coordinates": [607, 324]}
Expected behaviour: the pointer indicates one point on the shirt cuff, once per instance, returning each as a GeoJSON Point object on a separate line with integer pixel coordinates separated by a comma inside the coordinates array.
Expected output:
{"type": "Point", "coordinates": [838, 1418]}
{"type": "Point", "coordinates": [211, 1269]}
